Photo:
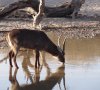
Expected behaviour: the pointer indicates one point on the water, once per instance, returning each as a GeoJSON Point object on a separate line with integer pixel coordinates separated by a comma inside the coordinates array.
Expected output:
{"type": "Point", "coordinates": [81, 71]}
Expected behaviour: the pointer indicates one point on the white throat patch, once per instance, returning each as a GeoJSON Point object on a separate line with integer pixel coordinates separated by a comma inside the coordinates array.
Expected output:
{"type": "Point", "coordinates": [59, 49]}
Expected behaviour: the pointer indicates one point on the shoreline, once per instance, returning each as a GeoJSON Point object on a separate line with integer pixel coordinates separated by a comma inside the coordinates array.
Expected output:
{"type": "Point", "coordinates": [77, 28]}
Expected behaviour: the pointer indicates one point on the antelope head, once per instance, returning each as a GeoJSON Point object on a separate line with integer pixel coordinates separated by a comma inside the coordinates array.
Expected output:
{"type": "Point", "coordinates": [61, 55]}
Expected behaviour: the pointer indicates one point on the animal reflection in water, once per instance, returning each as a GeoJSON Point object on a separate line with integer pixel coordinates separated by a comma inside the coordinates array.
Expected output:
{"type": "Point", "coordinates": [50, 80]}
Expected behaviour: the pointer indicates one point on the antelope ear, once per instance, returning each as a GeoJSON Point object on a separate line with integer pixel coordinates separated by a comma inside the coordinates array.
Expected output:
{"type": "Point", "coordinates": [59, 40]}
{"type": "Point", "coordinates": [64, 45]}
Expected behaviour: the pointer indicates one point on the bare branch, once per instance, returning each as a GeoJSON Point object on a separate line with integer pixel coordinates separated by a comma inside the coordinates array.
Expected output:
{"type": "Point", "coordinates": [39, 16]}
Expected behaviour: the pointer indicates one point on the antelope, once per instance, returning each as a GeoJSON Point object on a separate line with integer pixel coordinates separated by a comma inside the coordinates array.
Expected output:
{"type": "Point", "coordinates": [32, 39]}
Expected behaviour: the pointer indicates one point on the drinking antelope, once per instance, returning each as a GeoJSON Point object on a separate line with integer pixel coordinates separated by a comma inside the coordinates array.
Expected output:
{"type": "Point", "coordinates": [32, 39]}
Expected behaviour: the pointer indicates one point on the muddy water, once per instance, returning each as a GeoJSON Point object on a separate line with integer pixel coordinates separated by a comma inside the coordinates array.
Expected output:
{"type": "Point", "coordinates": [81, 70]}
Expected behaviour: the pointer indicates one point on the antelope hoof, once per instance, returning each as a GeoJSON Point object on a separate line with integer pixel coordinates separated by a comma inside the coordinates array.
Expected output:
{"type": "Point", "coordinates": [35, 66]}
{"type": "Point", "coordinates": [39, 65]}
{"type": "Point", "coordinates": [17, 67]}
{"type": "Point", "coordinates": [11, 66]}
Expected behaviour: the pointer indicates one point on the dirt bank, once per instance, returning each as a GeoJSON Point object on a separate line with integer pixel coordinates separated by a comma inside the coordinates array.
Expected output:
{"type": "Point", "coordinates": [85, 27]}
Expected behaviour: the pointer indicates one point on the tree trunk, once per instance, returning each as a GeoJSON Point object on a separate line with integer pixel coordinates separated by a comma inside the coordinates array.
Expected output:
{"type": "Point", "coordinates": [64, 10]}
{"type": "Point", "coordinates": [77, 5]}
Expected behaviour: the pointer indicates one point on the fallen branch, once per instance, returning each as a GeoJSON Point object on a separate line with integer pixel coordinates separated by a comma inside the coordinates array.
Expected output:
{"type": "Point", "coordinates": [60, 11]}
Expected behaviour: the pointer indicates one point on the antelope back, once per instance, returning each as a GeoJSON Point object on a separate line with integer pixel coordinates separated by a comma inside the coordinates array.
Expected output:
{"type": "Point", "coordinates": [32, 39]}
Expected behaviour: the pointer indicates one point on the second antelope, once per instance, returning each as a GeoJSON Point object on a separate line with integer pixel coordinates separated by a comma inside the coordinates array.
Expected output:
{"type": "Point", "coordinates": [32, 39]}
